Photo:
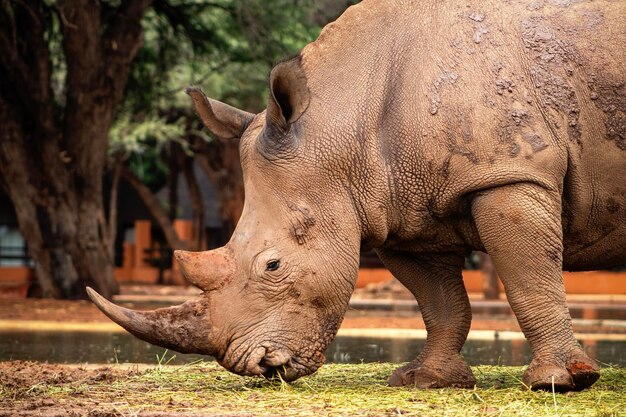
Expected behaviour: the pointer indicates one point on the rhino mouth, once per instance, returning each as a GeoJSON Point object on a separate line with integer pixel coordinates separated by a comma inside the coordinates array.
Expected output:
{"type": "Point", "coordinates": [293, 369]}
{"type": "Point", "coordinates": [271, 363]}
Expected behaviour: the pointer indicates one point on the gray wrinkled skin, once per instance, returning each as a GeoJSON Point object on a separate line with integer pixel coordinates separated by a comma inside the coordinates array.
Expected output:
{"type": "Point", "coordinates": [425, 130]}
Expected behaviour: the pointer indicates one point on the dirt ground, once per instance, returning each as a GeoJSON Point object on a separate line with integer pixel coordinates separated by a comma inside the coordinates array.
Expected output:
{"type": "Point", "coordinates": [19, 382]}
{"type": "Point", "coordinates": [25, 391]}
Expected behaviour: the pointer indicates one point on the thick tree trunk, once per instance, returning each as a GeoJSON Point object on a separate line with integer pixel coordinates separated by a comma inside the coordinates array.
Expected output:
{"type": "Point", "coordinates": [23, 195]}
{"type": "Point", "coordinates": [52, 163]}
{"type": "Point", "coordinates": [65, 260]}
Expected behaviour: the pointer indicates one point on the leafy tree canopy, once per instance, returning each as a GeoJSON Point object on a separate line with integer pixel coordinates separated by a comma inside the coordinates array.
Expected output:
{"type": "Point", "coordinates": [228, 47]}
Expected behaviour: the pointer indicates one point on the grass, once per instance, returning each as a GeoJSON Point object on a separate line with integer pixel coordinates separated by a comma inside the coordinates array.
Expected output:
{"type": "Point", "coordinates": [335, 390]}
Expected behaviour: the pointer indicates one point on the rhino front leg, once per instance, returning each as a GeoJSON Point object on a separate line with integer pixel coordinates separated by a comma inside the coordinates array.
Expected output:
{"type": "Point", "coordinates": [437, 284]}
{"type": "Point", "coordinates": [520, 227]}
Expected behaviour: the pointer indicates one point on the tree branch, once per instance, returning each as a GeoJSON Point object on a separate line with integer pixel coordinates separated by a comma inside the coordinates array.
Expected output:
{"type": "Point", "coordinates": [156, 209]}
{"type": "Point", "coordinates": [122, 38]}
{"type": "Point", "coordinates": [196, 202]}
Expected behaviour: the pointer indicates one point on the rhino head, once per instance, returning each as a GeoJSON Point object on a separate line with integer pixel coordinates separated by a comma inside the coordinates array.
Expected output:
{"type": "Point", "coordinates": [274, 296]}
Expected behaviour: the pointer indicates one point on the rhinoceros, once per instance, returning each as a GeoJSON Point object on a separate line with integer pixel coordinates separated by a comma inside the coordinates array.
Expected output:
{"type": "Point", "coordinates": [422, 129]}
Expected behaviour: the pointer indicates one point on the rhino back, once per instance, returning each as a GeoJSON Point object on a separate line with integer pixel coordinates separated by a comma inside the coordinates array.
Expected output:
{"type": "Point", "coordinates": [446, 99]}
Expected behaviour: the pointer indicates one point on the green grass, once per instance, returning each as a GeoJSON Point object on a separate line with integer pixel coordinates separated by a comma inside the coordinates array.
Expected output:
{"type": "Point", "coordinates": [335, 390]}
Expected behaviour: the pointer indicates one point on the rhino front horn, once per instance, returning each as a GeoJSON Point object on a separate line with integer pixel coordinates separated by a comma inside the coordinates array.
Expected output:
{"type": "Point", "coordinates": [184, 328]}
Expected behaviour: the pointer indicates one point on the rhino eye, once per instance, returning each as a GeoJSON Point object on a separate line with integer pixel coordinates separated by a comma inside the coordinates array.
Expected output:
{"type": "Point", "coordinates": [273, 265]}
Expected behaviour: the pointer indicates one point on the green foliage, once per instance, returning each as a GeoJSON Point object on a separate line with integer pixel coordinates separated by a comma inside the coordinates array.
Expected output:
{"type": "Point", "coordinates": [226, 46]}
{"type": "Point", "coordinates": [233, 42]}
{"type": "Point", "coordinates": [143, 141]}
{"type": "Point", "coordinates": [134, 137]}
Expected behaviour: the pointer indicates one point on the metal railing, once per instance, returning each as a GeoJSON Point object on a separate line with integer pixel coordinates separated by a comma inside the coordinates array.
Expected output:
{"type": "Point", "coordinates": [13, 254]}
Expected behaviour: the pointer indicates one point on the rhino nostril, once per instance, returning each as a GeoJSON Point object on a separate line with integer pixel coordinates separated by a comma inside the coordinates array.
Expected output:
{"type": "Point", "coordinates": [276, 364]}
{"type": "Point", "coordinates": [275, 359]}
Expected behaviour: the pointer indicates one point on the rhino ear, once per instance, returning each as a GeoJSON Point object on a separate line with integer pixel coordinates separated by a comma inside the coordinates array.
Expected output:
{"type": "Point", "coordinates": [289, 94]}
{"type": "Point", "coordinates": [221, 119]}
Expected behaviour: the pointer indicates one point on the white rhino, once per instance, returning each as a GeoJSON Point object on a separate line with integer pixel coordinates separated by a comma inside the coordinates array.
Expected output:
{"type": "Point", "coordinates": [424, 129]}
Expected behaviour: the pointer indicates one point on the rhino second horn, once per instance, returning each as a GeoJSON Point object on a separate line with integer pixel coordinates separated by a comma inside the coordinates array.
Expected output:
{"type": "Point", "coordinates": [184, 328]}
{"type": "Point", "coordinates": [208, 270]}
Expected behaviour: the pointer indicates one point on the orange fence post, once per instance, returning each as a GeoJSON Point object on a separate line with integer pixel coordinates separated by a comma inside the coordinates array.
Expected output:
{"type": "Point", "coordinates": [143, 240]}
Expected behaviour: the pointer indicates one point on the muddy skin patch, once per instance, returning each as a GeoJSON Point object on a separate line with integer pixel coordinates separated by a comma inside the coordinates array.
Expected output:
{"type": "Point", "coordinates": [518, 124]}
{"type": "Point", "coordinates": [461, 151]}
{"type": "Point", "coordinates": [514, 149]}
{"type": "Point", "coordinates": [610, 97]}
{"type": "Point", "coordinates": [505, 81]}
{"type": "Point", "coordinates": [536, 142]}
{"type": "Point", "coordinates": [552, 60]}
{"type": "Point", "coordinates": [459, 138]}
{"type": "Point", "coordinates": [519, 117]}
{"type": "Point", "coordinates": [592, 18]}
{"type": "Point", "coordinates": [445, 78]}
{"type": "Point", "coordinates": [481, 30]}
{"type": "Point", "coordinates": [301, 224]}
{"type": "Point", "coordinates": [562, 3]}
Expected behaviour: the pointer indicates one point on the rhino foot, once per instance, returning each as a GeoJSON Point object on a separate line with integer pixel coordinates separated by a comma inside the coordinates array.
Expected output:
{"type": "Point", "coordinates": [584, 372]}
{"type": "Point", "coordinates": [578, 373]}
{"type": "Point", "coordinates": [446, 373]}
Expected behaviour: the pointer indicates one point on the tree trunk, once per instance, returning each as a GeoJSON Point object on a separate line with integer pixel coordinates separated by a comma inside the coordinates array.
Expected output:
{"type": "Point", "coordinates": [23, 195]}
{"type": "Point", "coordinates": [53, 160]}
{"type": "Point", "coordinates": [62, 236]}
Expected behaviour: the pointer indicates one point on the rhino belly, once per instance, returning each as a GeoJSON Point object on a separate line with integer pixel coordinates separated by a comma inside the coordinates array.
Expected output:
{"type": "Point", "coordinates": [601, 246]}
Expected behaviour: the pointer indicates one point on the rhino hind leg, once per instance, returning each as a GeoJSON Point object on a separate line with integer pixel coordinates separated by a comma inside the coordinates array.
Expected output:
{"type": "Point", "coordinates": [520, 227]}
{"type": "Point", "coordinates": [437, 285]}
